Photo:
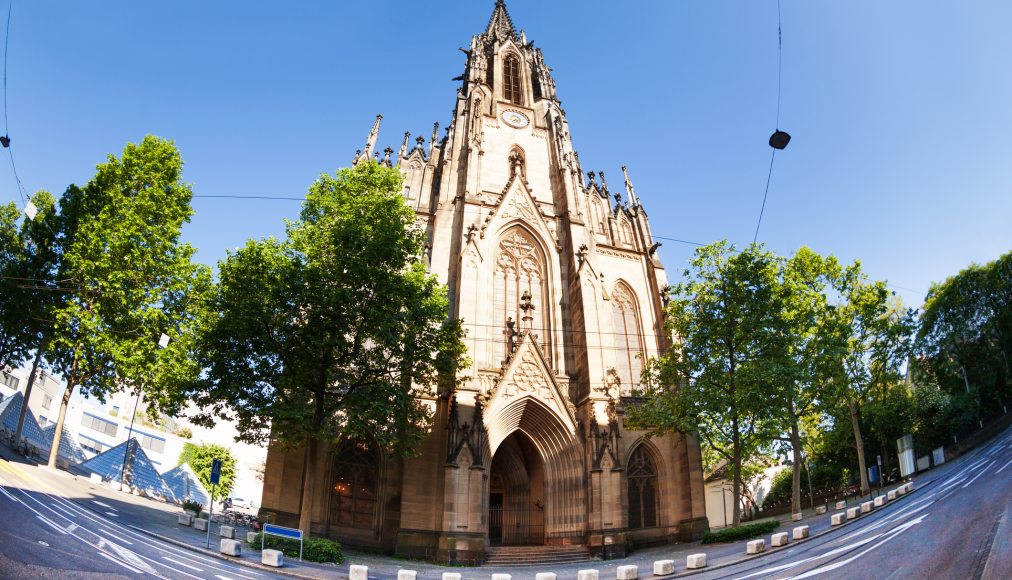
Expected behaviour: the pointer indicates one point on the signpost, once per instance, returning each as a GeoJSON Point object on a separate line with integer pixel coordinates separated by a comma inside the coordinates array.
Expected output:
{"type": "Point", "coordinates": [215, 477]}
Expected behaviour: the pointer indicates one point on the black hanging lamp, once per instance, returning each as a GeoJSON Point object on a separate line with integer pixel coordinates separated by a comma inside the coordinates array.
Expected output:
{"type": "Point", "coordinates": [779, 139]}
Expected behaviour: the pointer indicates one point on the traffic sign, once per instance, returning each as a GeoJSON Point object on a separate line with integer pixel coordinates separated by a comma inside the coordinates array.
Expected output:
{"type": "Point", "coordinates": [215, 471]}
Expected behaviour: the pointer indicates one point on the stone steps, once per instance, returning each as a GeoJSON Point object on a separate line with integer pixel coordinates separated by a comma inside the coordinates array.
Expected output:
{"type": "Point", "coordinates": [535, 555]}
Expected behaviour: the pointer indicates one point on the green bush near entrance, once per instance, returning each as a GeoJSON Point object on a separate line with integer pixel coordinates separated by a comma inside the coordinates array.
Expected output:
{"type": "Point", "coordinates": [313, 549]}
{"type": "Point", "coordinates": [745, 532]}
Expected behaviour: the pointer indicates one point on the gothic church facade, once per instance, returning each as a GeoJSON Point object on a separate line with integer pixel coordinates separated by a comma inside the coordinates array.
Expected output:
{"type": "Point", "coordinates": [557, 283]}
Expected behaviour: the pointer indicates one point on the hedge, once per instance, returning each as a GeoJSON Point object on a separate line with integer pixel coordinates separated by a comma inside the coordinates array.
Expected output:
{"type": "Point", "coordinates": [745, 532]}
{"type": "Point", "coordinates": [313, 549]}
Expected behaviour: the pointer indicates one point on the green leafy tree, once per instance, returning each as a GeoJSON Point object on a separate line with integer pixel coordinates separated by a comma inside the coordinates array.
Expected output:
{"type": "Point", "coordinates": [879, 329]}
{"type": "Point", "coordinates": [332, 332]}
{"type": "Point", "coordinates": [815, 341]}
{"type": "Point", "coordinates": [129, 275]}
{"type": "Point", "coordinates": [200, 457]}
{"type": "Point", "coordinates": [727, 364]}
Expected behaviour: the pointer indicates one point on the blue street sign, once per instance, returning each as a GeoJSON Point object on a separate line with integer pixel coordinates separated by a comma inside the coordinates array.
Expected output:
{"type": "Point", "coordinates": [215, 471]}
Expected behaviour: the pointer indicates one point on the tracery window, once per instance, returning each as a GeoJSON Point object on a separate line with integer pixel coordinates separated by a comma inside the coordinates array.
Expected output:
{"type": "Point", "coordinates": [355, 483]}
{"type": "Point", "coordinates": [511, 80]}
{"type": "Point", "coordinates": [520, 267]}
{"type": "Point", "coordinates": [628, 337]}
{"type": "Point", "coordinates": [642, 479]}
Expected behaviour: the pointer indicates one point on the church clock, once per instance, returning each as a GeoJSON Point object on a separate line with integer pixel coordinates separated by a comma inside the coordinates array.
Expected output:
{"type": "Point", "coordinates": [515, 119]}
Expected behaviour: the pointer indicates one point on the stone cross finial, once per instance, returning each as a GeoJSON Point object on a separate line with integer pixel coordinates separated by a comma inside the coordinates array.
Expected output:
{"type": "Point", "coordinates": [404, 146]}
{"type": "Point", "coordinates": [604, 184]}
{"type": "Point", "coordinates": [386, 155]}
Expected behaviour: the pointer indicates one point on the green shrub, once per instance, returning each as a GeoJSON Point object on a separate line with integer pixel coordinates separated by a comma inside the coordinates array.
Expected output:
{"type": "Point", "coordinates": [313, 549]}
{"type": "Point", "coordinates": [745, 532]}
{"type": "Point", "coordinates": [192, 506]}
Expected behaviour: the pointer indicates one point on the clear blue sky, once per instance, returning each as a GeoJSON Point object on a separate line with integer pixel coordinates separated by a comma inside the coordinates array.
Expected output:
{"type": "Point", "coordinates": [901, 111]}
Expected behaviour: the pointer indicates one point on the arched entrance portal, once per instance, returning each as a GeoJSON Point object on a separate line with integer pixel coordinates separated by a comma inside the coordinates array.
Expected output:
{"type": "Point", "coordinates": [516, 499]}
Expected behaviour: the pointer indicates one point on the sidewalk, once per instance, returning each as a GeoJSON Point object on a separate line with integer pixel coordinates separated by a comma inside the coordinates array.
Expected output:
{"type": "Point", "coordinates": [159, 520]}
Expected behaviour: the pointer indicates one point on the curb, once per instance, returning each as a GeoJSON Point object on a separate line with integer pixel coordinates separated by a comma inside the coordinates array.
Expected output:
{"type": "Point", "coordinates": [771, 552]}
{"type": "Point", "coordinates": [204, 551]}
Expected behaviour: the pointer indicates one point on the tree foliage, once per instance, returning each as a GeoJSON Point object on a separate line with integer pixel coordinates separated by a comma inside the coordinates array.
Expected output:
{"type": "Point", "coordinates": [727, 360]}
{"type": "Point", "coordinates": [333, 332]}
{"type": "Point", "coordinates": [201, 457]}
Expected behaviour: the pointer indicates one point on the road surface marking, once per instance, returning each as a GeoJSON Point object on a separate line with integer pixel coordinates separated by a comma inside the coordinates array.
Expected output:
{"type": "Point", "coordinates": [222, 577]}
{"type": "Point", "coordinates": [1004, 466]}
{"type": "Point", "coordinates": [982, 472]}
{"type": "Point", "coordinates": [889, 520]}
{"type": "Point", "coordinates": [886, 537]}
{"type": "Point", "coordinates": [105, 505]}
{"type": "Point", "coordinates": [110, 514]}
{"type": "Point", "coordinates": [124, 564]}
{"type": "Point", "coordinates": [182, 564]}
{"type": "Point", "coordinates": [126, 555]}
{"type": "Point", "coordinates": [113, 536]}
{"type": "Point", "coordinates": [51, 523]}
{"type": "Point", "coordinates": [71, 528]}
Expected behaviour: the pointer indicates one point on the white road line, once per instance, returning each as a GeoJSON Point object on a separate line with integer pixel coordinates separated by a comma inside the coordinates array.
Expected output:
{"type": "Point", "coordinates": [1004, 466]}
{"type": "Point", "coordinates": [982, 472]}
{"type": "Point", "coordinates": [71, 528]}
{"type": "Point", "coordinates": [887, 536]}
{"type": "Point", "coordinates": [889, 520]}
{"type": "Point", "coordinates": [222, 577]}
{"type": "Point", "coordinates": [51, 523]}
{"type": "Point", "coordinates": [124, 564]}
{"type": "Point", "coordinates": [182, 564]}
{"type": "Point", "coordinates": [105, 505]}
{"type": "Point", "coordinates": [110, 514]}
{"type": "Point", "coordinates": [113, 536]}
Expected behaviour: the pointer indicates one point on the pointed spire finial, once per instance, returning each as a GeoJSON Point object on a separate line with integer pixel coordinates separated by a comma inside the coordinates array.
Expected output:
{"type": "Point", "coordinates": [501, 24]}
{"type": "Point", "coordinates": [604, 184]}
{"type": "Point", "coordinates": [435, 135]}
{"type": "Point", "coordinates": [370, 144]}
{"type": "Point", "coordinates": [404, 146]}
{"type": "Point", "coordinates": [386, 156]}
{"type": "Point", "coordinates": [629, 189]}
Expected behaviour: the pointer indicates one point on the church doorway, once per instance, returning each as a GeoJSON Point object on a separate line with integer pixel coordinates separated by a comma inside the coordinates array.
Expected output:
{"type": "Point", "coordinates": [516, 502]}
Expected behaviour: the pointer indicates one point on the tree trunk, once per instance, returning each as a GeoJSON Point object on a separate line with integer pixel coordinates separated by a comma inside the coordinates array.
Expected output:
{"type": "Point", "coordinates": [736, 469]}
{"type": "Point", "coordinates": [308, 477]}
{"type": "Point", "coordinates": [859, 443]}
{"type": "Point", "coordinates": [796, 468]}
{"type": "Point", "coordinates": [28, 392]}
{"type": "Point", "coordinates": [811, 492]}
{"type": "Point", "coordinates": [54, 449]}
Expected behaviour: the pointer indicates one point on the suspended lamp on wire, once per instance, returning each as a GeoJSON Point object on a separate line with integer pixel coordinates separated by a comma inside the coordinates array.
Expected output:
{"type": "Point", "coordinates": [779, 139]}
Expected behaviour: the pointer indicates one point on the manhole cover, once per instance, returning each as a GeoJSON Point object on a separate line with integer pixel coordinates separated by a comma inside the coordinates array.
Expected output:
{"type": "Point", "coordinates": [41, 543]}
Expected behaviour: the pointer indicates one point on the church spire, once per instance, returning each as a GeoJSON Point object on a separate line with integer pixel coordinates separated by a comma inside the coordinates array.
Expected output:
{"type": "Point", "coordinates": [629, 189]}
{"type": "Point", "coordinates": [370, 144]}
{"type": "Point", "coordinates": [501, 24]}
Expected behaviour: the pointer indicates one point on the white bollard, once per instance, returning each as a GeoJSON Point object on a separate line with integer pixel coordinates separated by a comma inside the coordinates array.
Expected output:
{"type": "Point", "coordinates": [627, 573]}
{"type": "Point", "coordinates": [407, 575]}
{"type": "Point", "coordinates": [501, 577]}
{"type": "Point", "coordinates": [841, 504]}
{"type": "Point", "coordinates": [227, 532]}
{"type": "Point", "coordinates": [545, 576]}
{"type": "Point", "coordinates": [901, 490]}
{"type": "Point", "coordinates": [866, 507]}
{"type": "Point", "coordinates": [664, 567]}
{"type": "Point", "coordinates": [819, 510]}
{"type": "Point", "coordinates": [891, 495]}
{"type": "Point", "coordinates": [272, 558]}
{"type": "Point", "coordinates": [796, 517]}
{"type": "Point", "coordinates": [694, 561]}
{"type": "Point", "coordinates": [800, 532]}
{"type": "Point", "coordinates": [185, 519]}
{"type": "Point", "coordinates": [230, 547]}
{"type": "Point", "coordinates": [756, 547]}
{"type": "Point", "coordinates": [880, 501]}
{"type": "Point", "coordinates": [251, 537]}
{"type": "Point", "coordinates": [588, 575]}
{"type": "Point", "coordinates": [778, 540]}
{"type": "Point", "coordinates": [910, 486]}
{"type": "Point", "coordinates": [838, 519]}
{"type": "Point", "coordinates": [200, 524]}
{"type": "Point", "coordinates": [451, 575]}
{"type": "Point", "coordinates": [853, 513]}
{"type": "Point", "coordinates": [358, 573]}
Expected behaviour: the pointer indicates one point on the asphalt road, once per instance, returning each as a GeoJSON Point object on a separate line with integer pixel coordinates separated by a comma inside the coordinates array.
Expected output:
{"type": "Point", "coordinates": [951, 527]}
{"type": "Point", "coordinates": [44, 535]}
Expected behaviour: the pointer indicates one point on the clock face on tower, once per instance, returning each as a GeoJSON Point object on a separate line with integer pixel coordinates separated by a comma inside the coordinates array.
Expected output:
{"type": "Point", "coordinates": [515, 119]}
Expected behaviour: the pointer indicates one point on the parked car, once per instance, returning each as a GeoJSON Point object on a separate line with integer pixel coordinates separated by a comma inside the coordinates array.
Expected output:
{"type": "Point", "coordinates": [241, 504]}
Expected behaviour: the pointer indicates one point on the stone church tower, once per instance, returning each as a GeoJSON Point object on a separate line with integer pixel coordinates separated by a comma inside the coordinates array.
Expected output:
{"type": "Point", "coordinates": [557, 283]}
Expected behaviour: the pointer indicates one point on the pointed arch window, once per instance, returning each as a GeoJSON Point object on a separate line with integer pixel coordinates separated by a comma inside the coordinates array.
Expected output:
{"type": "Point", "coordinates": [520, 267]}
{"type": "Point", "coordinates": [642, 479]}
{"type": "Point", "coordinates": [354, 486]}
{"type": "Point", "coordinates": [628, 337]}
{"type": "Point", "coordinates": [511, 80]}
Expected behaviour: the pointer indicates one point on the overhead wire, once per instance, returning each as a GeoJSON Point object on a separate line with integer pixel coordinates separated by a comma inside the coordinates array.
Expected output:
{"type": "Point", "coordinates": [10, 152]}
{"type": "Point", "coordinates": [773, 156]}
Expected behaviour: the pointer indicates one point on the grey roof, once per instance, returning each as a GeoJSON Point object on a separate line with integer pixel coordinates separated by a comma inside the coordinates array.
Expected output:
{"type": "Point", "coordinates": [69, 449]}
{"type": "Point", "coordinates": [109, 464]}
{"type": "Point", "coordinates": [185, 484]}
{"type": "Point", "coordinates": [9, 410]}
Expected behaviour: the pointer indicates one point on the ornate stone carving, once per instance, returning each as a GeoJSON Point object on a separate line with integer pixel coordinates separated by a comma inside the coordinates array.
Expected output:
{"type": "Point", "coordinates": [528, 378]}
